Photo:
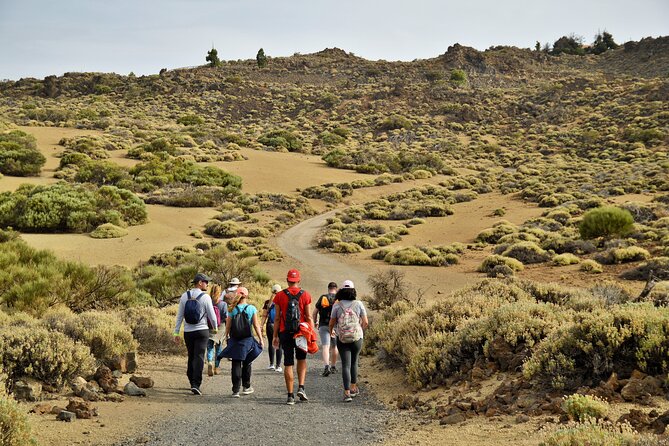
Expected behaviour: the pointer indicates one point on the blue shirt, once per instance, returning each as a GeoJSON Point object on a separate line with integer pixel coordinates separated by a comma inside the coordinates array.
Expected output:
{"type": "Point", "coordinates": [248, 309]}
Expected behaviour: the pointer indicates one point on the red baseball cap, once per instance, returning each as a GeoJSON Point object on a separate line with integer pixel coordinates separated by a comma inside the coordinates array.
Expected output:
{"type": "Point", "coordinates": [293, 276]}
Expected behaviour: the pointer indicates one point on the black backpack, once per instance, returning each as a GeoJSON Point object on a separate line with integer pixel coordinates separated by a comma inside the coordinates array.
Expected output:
{"type": "Point", "coordinates": [193, 311]}
{"type": "Point", "coordinates": [240, 326]}
{"type": "Point", "coordinates": [292, 323]}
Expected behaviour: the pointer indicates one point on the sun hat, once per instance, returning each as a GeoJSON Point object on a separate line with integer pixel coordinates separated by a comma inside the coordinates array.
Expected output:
{"type": "Point", "coordinates": [348, 284]}
{"type": "Point", "coordinates": [276, 288]}
{"type": "Point", "coordinates": [332, 285]}
{"type": "Point", "coordinates": [293, 276]}
{"type": "Point", "coordinates": [242, 291]}
{"type": "Point", "coordinates": [199, 277]}
{"type": "Point", "coordinates": [235, 281]}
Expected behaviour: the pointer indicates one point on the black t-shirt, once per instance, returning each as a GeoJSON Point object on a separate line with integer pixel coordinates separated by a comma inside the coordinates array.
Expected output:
{"type": "Point", "coordinates": [324, 307]}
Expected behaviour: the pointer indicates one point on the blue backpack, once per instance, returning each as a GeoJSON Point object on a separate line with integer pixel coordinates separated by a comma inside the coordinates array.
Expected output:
{"type": "Point", "coordinates": [193, 311]}
{"type": "Point", "coordinates": [271, 313]}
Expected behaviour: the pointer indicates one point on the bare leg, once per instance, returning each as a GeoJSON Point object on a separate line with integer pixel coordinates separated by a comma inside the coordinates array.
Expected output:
{"type": "Point", "coordinates": [289, 376]}
{"type": "Point", "coordinates": [301, 372]}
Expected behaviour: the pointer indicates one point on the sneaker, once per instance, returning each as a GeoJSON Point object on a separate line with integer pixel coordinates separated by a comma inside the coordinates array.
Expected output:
{"type": "Point", "coordinates": [278, 369]}
{"type": "Point", "coordinates": [291, 400]}
{"type": "Point", "coordinates": [271, 367]}
{"type": "Point", "coordinates": [347, 398]}
{"type": "Point", "coordinates": [326, 371]}
{"type": "Point", "coordinates": [355, 392]}
{"type": "Point", "coordinates": [333, 369]}
{"type": "Point", "coordinates": [235, 394]}
{"type": "Point", "coordinates": [302, 395]}
{"type": "Point", "coordinates": [196, 390]}
{"type": "Point", "coordinates": [210, 369]}
{"type": "Point", "coordinates": [217, 370]}
{"type": "Point", "coordinates": [247, 391]}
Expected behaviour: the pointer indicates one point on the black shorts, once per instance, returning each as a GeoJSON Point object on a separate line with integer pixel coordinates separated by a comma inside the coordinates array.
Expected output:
{"type": "Point", "coordinates": [290, 352]}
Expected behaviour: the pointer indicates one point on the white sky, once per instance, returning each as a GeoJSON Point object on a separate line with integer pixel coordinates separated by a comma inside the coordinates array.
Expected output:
{"type": "Point", "coordinates": [42, 37]}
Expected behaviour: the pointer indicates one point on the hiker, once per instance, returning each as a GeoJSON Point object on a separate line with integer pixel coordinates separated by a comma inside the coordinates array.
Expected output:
{"type": "Point", "coordinates": [321, 317]}
{"type": "Point", "coordinates": [268, 317]}
{"type": "Point", "coordinates": [242, 347]}
{"type": "Point", "coordinates": [349, 317]}
{"type": "Point", "coordinates": [292, 306]}
{"type": "Point", "coordinates": [231, 290]}
{"type": "Point", "coordinates": [195, 309]}
{"type": "Point", "coordinates": [215, 343]}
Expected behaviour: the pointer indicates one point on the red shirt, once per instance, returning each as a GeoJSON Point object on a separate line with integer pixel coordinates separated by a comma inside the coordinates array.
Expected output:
{"type": "Point", "coordinates": [281, 301]}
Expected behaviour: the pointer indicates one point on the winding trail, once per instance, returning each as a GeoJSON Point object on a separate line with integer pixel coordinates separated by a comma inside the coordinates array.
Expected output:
{"type": "Point", "coordinates": [318, 268]}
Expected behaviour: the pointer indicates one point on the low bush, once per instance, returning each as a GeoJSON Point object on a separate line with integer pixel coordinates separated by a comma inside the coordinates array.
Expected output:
{"type": "Point", "coordinates": [591, 266]}
{"type": "Point", "coordinates": [592, 433]}
{"type": "Point", "coordinates": [105, 334]}
{"type": "Point", "coordinates": [565, 259]}
{"type": "Point", "coordinates": [282, 139]}
{"type": "Point", "coordinates": [109, 230]}
{"type": "Point", "coordinates": [494, 234]}
{"type": "Point", "coordinates": [19, 155]}
{"type": "Point", "coordinates": [526, 252]}
{"type": "Point", "coordinates": [69, 208]}
{"type": "Point", "coordinates": [224, 229]}
{"type": "Point", "coordinates": [14, 427]}
{"type": "Point", "coordinates": [494, 260]}
{"type": "Point", "coordinates": [388, 288]}
{"type": "Point", "coordinates": [346, 248]}
{"type": "Point", "coordinates": [584, 407]}
{"type": "Point", "coordinates": [623, 255]}
{"type": "Point", "coordinates": [152, 329]}
{"type": "Point", "coordinates": [658, 266]}
{"type": "Point", "coordinates": [606, 221]}
{"type": "Point", "coordinates": [598, 342]}
{"type": "Point", "coordinates": [50, 357]}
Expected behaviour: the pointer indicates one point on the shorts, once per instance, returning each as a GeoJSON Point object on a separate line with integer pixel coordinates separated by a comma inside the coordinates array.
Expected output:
{"type": "Point", "coordinates": [290, 352]}
{"type": "Point", "coordinates": [324, 333]}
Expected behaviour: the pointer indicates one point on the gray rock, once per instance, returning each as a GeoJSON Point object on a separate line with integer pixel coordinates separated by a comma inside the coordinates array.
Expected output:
{"type": "Point", "coordinates": [453, 419]}
{"type": "Point", "coordinates": [131, 389]}
{"type": "Point", "coordinates": [64, 415]}
{"type": "Point", "coordinates": [27, 389]}
{"type": "Point", "coordinates": [117, 374]}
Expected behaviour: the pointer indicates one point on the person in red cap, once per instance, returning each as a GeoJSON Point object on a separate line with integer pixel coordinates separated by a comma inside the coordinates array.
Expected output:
{"type": "Point", "coordinates": [293, 305]}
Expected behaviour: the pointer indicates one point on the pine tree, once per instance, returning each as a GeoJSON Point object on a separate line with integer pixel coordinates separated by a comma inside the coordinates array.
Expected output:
{"type": "Point", "coordinates": [212, 58]}
{"type": "Point", "coordinates": [261, 59]}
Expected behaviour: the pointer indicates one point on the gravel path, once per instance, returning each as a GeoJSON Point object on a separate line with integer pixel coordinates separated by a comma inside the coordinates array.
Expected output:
{"type": "Point", "coordinates": [263, 418]}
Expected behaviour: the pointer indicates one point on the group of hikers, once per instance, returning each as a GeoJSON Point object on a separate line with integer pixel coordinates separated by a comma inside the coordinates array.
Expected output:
{"type": "Point", "coordinates": [291, 326]}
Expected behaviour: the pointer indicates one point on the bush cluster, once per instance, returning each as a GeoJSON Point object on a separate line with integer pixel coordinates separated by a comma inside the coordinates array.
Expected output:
{"type": "Point", "coordinates": [14, 427]}
{"type": "Point", "coordinates": [584, 407]}
{"type": "Point", "coordinates": [19, 155]}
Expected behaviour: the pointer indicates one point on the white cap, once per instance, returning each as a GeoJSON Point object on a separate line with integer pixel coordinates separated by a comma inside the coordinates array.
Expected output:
{"type": "Point", "coordinates": [348, 284]}
{"type": "Point", "coordinates": [276, 287]}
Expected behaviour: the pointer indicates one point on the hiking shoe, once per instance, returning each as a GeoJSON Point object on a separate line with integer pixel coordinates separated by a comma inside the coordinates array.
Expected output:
{"type": "Point", "coordinates": [291, 400]}
{"type": "Point", "coordinates": [302, 395]}
{"type": "Point", "coordinates": [271, 367]}
{"type": "Point", "coordinates": [326, 371]}
{"type": "Point", "coordinates": [333, 369]}
{"type": "Point", "coordinates": [235, 394]}
{"type": "Point", "coordinates": [217, 370]}
{"type": "Point", "coordinates": [278, 369]}
{"type": "Point", "coordinates": [355, 392]}
{"type": "Point", "coordinates": [210, 369]}
{"type": "Point", "coordinates": [247, 391]}
{"type": "Point", "coordinates": [196, 390]}
{"type": "Point", "coordinates": [348, 398]}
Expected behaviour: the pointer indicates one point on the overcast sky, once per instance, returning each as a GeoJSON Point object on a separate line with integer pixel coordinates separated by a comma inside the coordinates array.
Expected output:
{"type": "Point", "coordinates": [42, 37]}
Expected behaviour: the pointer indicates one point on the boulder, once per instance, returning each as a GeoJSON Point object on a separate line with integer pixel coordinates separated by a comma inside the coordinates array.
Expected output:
{"type": "Point", "coordinates": [114, 397]}
{"type": "Point", "coordinates": [55, 410]}
{"type": "Point", "coordinates": [131, 362]}
{"type": "Point", "coordinates": [637, 419]}
{"type": "Point", "coordinates": [659, 425]}
{"type": "Point", "coordinates": [82, 409]}
{"type": "Point", "coordinates": [522, 418]}
{"type": "Point", "coordinates": [64, 415]}
{"type": "Point", "coordinates": [105, 379]}
{"type": "Point", "coordinates": [87, 392]}
{"type": "Point", "coordinates": [118, 363]}
{"type": "Point", "coordinates": [27, 389]}
{"type": "Point", "coordinates": [641, 389]}
{"type": "Point", "coordinates": [502, 352]}
{"type": "Point", "coordinates": [453, 419]}
{"type": "Point", "coordinates": [42, 408]}
{"type": "Point", "coordinates": [143, 382]}
{"type": "Point", "coordinates": [131, 389]}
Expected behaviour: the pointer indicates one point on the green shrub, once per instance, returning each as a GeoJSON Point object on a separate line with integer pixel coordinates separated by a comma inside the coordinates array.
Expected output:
{"type": "Point", "coordinates": [223, 229]}
{"type": "Point", "coordinates": [190, 119]}
{"type": "Point", "coordinates": [105, 334]}
{"type": "Point", "coordinates": [592, 433]}
{"type": "Point", "coordinates": [14, 426]}
{"type": "Point", "coordinates": [282, 139]}
{"type": "Point", "coordinates": [526, 252]}
{"type": "Point", "coordinates": [494, 234]}
{"type": "Point", "coordinates": [346, 248]}
{"type": "Point", "coordinates": [408, 256]}
{"type": "Point", "coordinates": [109, 230]}
{"type": "Point", "coordinates": [395, 122]}
{"type": "Point", "coordinates": [565, 259]}
{"type": "Point", "coordinates": [19, 155]}
{"type": "Point", "coordinates": [606, 222]}
{"type": "Point", "coordinates": [494, 260]}
{"type": "Point", "coordinates": [152, 329]}
{"type": "Point", "coordinates": [50, 357]}
{"type": "Point", "coordinates": [601, 341]}
{"type": "Point", "coordinates": [591, 266]}
{"type": "Point", "coordinates": [584, 407]}
{"type": "Point", "coordinates": [69, 208]}
{"type": "Point", "coordinates": [623, 255]}
{"type": "Point", "coordinates": [458, 76]}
